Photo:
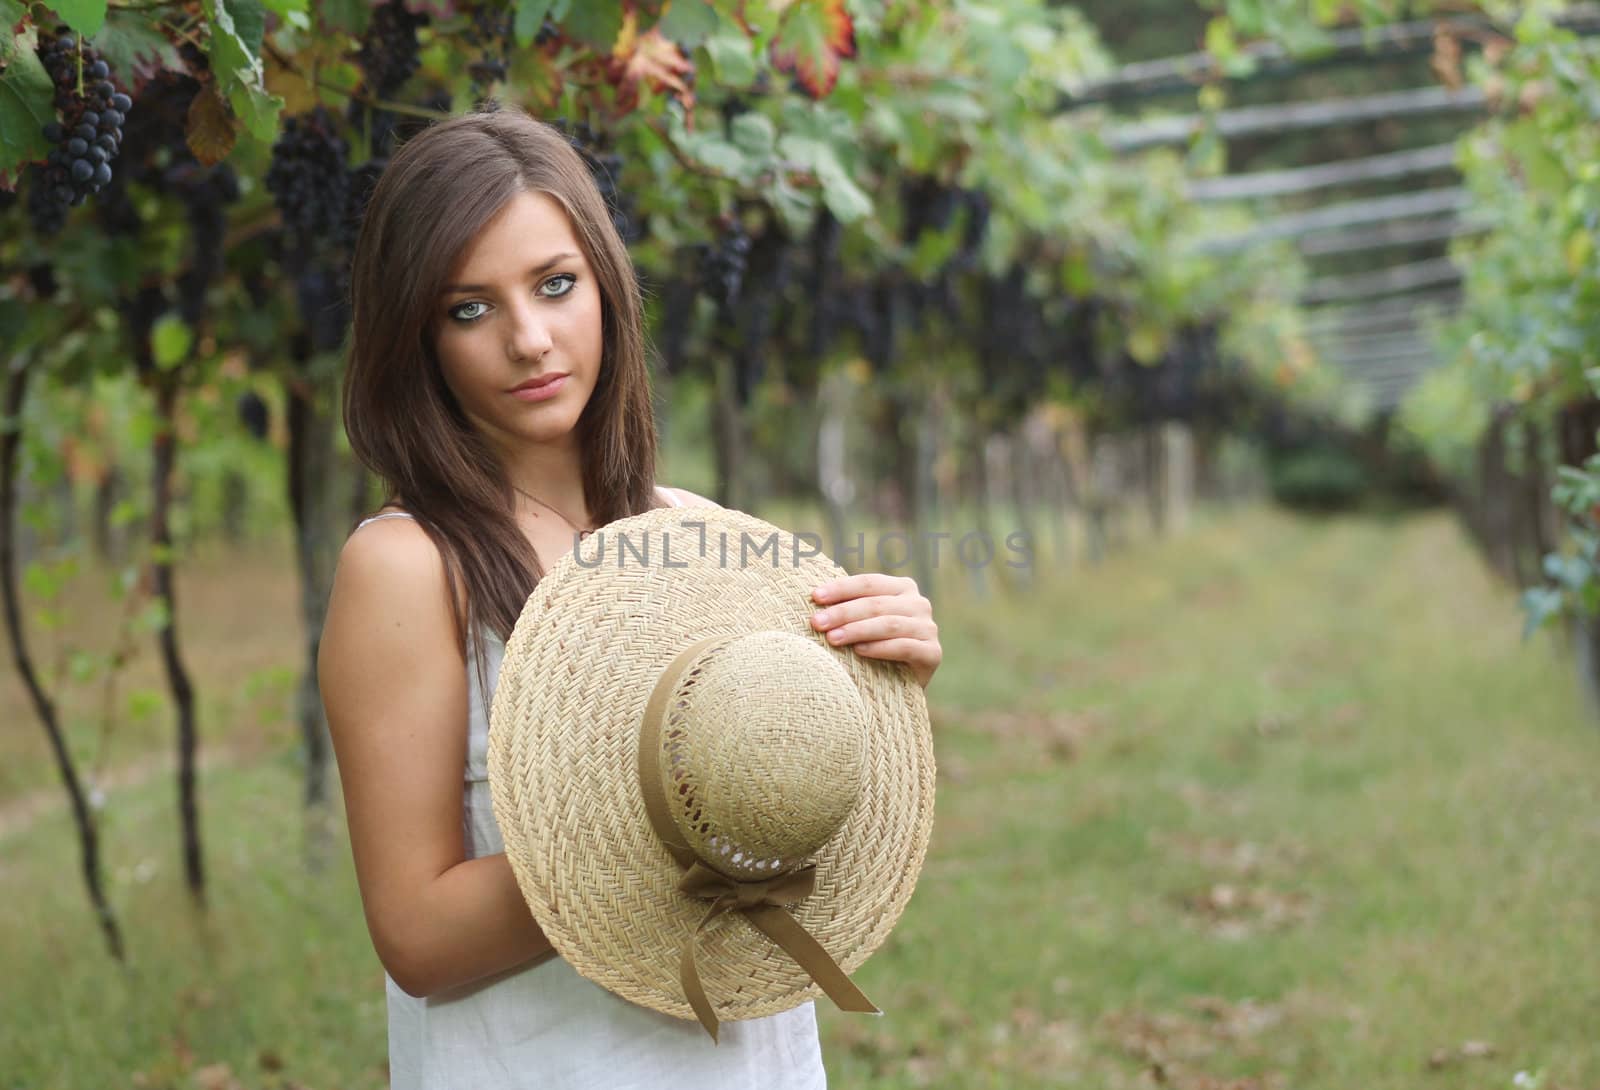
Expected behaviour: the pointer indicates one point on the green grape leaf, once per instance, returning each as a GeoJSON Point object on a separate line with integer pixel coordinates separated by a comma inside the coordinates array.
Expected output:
{"type": "Point", "coordinates": [26, 106]}
{"type": "Point", "coordinates": [754, 134]}
{"type": "Point", "coordinates": [11, 15]}
{"type": "Point", "coordinates": [689, 22]}
{"type": "Point", "coordinates": [794, 205]}
{"type": "Point", "coordinates": [84, 16]}
{"type": "Point", "coordinates": [847, 201]}
{"type": "Point", "coordinates": [530, 16]}
{"type": "Point", "coordinates": [595, 25]}
{"type": "Point", "coordinates": [234, 25]}
{"type": "Point", "coordinates": [133, 46]}
{"type": "Point", "coordinates": [348, 16]}
{"type": "Point", "coordinates": [732, 58]}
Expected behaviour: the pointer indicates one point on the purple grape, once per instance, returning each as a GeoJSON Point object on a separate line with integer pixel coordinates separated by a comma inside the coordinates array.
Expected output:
{"type": "Point", "coordinates": [82, 170]}
{"type": "Point", "coordinates": [77, 147]}
{"type": "Point", "coordinates": [102, 174]}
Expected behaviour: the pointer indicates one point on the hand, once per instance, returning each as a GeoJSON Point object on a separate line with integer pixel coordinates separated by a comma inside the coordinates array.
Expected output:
{"type": "Point", "coordinates": [882, 617]}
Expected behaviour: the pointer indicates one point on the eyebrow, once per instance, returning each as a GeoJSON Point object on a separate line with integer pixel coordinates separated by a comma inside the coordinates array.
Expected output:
{"type": "Point", "coordinates": [457, 289]}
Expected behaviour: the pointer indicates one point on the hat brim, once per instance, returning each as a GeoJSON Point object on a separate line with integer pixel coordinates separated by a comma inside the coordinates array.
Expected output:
{"type": "Point", "coordinates": [563, 763]}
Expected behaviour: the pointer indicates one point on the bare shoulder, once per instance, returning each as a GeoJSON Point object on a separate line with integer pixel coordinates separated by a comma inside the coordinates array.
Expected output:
{"type": "Point", "coordinates": [387, 549]}
{"type": "Point", "coordinates": [691, 499]}
{"type": "Point", "coordinates": [388, 614]}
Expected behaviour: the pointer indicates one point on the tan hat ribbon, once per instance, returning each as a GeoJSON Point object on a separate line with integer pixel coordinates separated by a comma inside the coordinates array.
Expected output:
{"type": "Point", "coordinates": [761, 901]}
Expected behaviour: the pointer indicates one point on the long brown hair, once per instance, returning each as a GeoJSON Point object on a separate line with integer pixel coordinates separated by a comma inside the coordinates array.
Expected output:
{"type": "Point", "coordinates": [437, 193]}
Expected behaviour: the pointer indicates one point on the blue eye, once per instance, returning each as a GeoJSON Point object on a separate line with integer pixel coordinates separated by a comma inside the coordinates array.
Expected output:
{"type": "Point", "coordinates": [567, 280]}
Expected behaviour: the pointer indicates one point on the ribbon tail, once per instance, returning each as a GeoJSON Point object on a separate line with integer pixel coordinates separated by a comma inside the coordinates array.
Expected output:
{"type": "Point", "coordinates": [693, 990]}
{"type": "Point", "coordinates": [783, 929]}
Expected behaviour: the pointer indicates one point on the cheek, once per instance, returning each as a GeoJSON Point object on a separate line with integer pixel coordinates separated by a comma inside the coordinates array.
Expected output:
{"type": "Point", "coordinates": [590, 327]}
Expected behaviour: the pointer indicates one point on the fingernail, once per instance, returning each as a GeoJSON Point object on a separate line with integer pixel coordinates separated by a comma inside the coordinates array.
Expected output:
{"type": "Point", "coordinates": [820, 617]}
{"type": "Point", "coordinates": [820, 594]}
{"type": "Point", "coordinates": [836, 635]}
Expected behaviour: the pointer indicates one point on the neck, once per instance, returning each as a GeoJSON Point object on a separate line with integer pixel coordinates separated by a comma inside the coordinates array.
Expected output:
{"type": "Point", "coordinates": [554, 475]}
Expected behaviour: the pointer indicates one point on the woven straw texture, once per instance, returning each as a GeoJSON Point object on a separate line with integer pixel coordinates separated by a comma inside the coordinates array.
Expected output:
{"type": "Point", "coordinates": [564, 749]}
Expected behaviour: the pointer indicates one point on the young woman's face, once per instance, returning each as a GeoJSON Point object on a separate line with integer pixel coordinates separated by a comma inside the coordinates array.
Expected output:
{"type": "Point", "coordinates": [522, 305]}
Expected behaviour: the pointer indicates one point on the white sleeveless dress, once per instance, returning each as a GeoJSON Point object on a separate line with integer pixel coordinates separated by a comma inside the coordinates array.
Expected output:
{"type": "Point", "coordinates": [541, 1026]}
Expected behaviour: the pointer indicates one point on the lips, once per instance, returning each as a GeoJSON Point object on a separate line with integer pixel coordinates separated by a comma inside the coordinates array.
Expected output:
{"type": "Point", "coordinates": [542, 380]}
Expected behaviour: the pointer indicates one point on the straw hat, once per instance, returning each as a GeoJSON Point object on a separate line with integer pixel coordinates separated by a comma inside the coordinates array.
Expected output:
{"type": "Point", "coordinates": [696, 792]}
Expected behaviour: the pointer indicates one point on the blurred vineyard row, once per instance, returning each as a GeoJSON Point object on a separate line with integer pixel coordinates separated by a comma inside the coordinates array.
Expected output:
{"type": "Point", "coordinates": [902, 258]}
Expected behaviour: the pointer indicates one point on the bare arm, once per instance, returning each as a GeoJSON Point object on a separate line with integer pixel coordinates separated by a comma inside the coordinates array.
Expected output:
{"type": "Point", "coordinates": [394, 686]}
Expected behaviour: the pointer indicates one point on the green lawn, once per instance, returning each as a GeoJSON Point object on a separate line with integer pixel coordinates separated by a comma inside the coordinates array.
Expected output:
{"type": "Point", "coordinates": [1273, 804]}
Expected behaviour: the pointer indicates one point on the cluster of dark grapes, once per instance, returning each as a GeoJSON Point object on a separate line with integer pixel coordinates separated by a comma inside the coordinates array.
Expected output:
{"type": "Point", "coordinates": [490, 34]}
{"type": "Point", "coordinates": [389, 52]}
{"type": "Point", "coordinates": [205, 193]}
{"type": "Point", "coordinates": [722, 265]}
{"type": "Point", "coordinates": [766, 282]}
{"type": "Point", "coordinates": [604, 166]}
{"type": "Point", "coordinates": [308, 179]}
{"type": "Point", "coordinates": [823, 283]}
{"type": "Point", "coordinates": [86, 137]}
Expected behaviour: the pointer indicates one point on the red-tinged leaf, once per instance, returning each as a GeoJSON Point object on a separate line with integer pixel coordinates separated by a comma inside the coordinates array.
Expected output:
{"type": "Point", "coordinates": [212, 130]}
{"type": "Point", "coordinates": [814, 37]}
{"type": "Point", "coordinates": [648, 60]}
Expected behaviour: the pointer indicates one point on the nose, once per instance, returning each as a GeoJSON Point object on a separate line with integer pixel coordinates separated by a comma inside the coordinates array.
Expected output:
{"type": "Point", "coordinates": [529, 332]}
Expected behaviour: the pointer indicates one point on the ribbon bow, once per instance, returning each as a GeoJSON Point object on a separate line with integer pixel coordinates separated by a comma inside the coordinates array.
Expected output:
{"type": "Point", "coordinates": [761, 901]}
{"type": "Point", "coordinates": [762, 904]}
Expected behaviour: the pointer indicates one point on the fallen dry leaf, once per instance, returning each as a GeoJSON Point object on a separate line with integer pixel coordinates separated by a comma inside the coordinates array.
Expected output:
{"type": "Point", "coordinates": [1235, 911]}
{"type": "Point", "coordinates": [1058, 735]}
{"type": "Point", "coordinates": [1466, 1050]}
{"type": "Point", "coordinates": [216, 1077]}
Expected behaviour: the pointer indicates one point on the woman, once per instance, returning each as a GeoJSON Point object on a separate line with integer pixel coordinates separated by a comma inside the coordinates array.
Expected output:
{"type": "Point", "coordinates": [497, 383]}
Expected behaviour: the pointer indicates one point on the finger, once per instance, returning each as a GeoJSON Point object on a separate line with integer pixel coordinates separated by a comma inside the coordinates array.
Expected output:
{"type": "Point", "coordinates": [887, 627]}
{"type": "Point", "coordinates": [856, 609]}
{"type": "Point", "coordinates": [855, 586]}
{"type": "Point", "coordinates": [914, 653]}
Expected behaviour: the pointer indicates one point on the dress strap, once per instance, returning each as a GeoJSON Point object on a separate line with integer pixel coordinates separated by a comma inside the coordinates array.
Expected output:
{"type": "Point", "coordinates": [385, 515]}
{"type": "Point", "coordinates": [672, 497]}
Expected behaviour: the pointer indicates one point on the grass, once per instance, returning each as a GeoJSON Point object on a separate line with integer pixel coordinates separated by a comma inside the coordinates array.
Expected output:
{"type": "Point", "coordinates": [1274, 804]}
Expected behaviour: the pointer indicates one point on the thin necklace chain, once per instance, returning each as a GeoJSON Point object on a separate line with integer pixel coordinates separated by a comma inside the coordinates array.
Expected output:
{"type": "Point", "coordinates": [581, 532]}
